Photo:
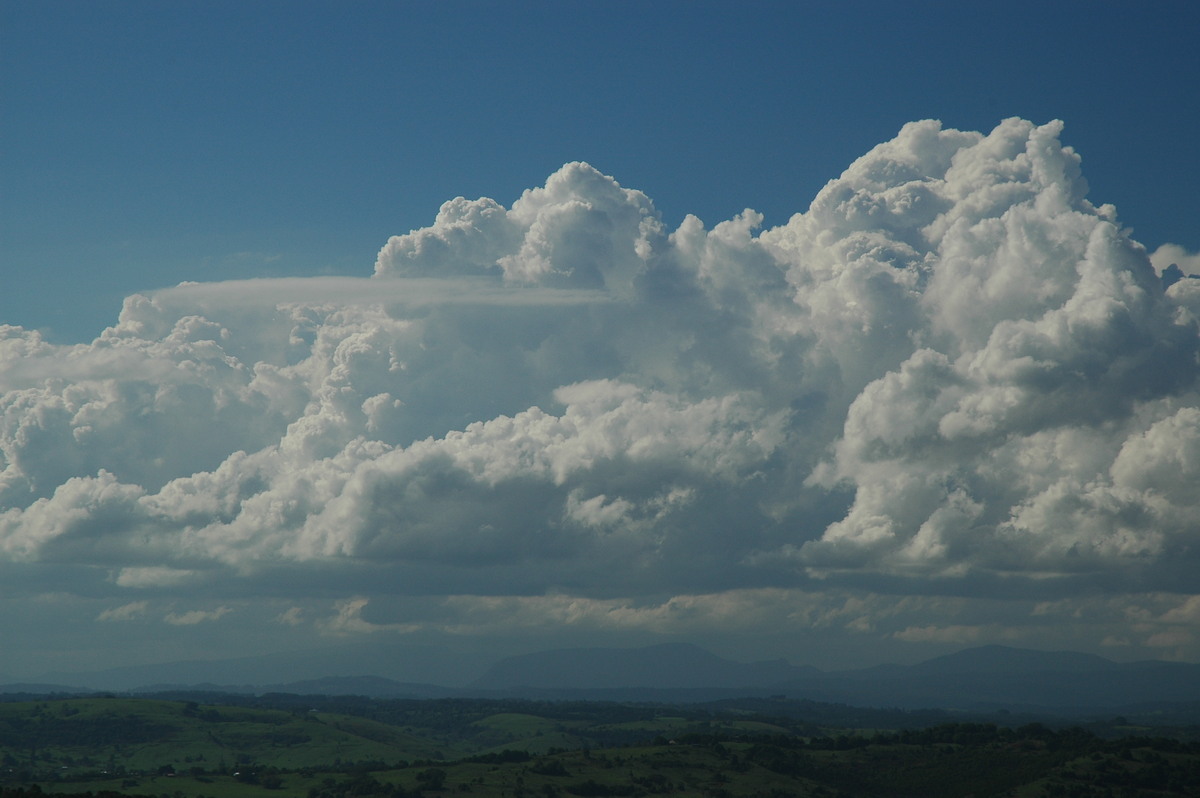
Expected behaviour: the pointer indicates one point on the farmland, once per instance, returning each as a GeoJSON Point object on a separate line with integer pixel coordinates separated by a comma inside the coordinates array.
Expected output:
{"type": "Point", "coordinates": [328, 748]}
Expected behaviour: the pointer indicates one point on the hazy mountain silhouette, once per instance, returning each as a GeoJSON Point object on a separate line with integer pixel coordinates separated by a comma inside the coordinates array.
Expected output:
{"type": "Point", "coordinates": [669, 665]}
{"type": "Point", "coordinates": [987, 677]}
{"type": "Point", "coordinates": [984, 677]}
{"type": "Point", "coordinates": [1000, 676]}
{"type": "Point", "coordinates": [374, 686]}
{"type": "Point", "coordinates": [394, 661]}
{"type": "Point", "coordinates": [38, 688]}
{"type": "Point", "coordinates": [1003, 659]}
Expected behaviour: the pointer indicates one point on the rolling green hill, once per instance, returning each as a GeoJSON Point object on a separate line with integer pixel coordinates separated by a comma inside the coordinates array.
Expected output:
{"type": "Point", "coordinates": [300, 746]}
{"type": "Point", "coordinates": [127, 734]}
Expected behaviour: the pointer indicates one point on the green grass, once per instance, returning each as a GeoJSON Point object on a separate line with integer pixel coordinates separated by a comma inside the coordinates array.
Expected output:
{"type": "Point", "coordinates": [189, 787]}
{"type": "Point", "coordinates": [517, 724]}
{"type": "Point", "coordinates": [454, 748]}
{"type": "Point", "coordinates": [523, 732]}
{"type": "Point", "coordinates": [136, 734]}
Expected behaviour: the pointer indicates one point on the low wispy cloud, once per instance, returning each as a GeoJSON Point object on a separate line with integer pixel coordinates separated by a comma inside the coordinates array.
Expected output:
{"type": "Point", "coordinates": [193, 617]}
{"type": "Point", "coordinates": [126, 612]}
{"type": "Point", "coordinates": [351, 291]}
{"type": "Point", "coordinates": [154, 576]}
{"type": "Point", "coordinates": [292, 616]}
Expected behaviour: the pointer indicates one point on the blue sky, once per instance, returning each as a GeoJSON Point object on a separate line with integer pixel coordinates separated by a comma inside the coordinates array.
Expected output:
{"type": "Point", "coordinates": [445, 325]}
{"type": "Point", "coordinates": [147, 143]}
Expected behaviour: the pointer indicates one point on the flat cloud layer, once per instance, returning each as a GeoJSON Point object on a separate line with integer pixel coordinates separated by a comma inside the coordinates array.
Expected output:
{"type": "Point", "coordinates": [953, 384]}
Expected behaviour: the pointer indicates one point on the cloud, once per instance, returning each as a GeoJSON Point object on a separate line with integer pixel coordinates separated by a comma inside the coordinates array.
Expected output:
{"type": "Point", "coordinates": [126, 612]}
{"type": "Point", "coordinates": [348, 620]}
{"type": "Point", "coordinates": [193, 617]}
{"type": "Point", "coordinates": [262, 293]}
{"type": "Point", "coordinates": [154, 576]}
{"type": "Point", "coordinates": [951, 375]}
{"type": "Point", "coordinates": [1168, 255]}
{"type": "Point", "coordinates": [811, 618]}
{"type": "Point", "coordinates": [941, 634]}
{"type": "Point", "coordinates": [581, 230]}
{"type": "Point", "coordinates": [763, 610]}
{"type": "Point", "coordinates": [292, 616]}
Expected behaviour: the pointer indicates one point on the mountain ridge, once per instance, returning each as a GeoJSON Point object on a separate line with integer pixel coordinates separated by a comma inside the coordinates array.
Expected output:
{"type": "Point", "coordinates": [983, 677]}
{"type": "Point", "coordinates": [665, 665]}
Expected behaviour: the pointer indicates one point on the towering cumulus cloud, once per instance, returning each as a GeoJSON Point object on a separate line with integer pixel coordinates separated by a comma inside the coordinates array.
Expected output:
{"type": "Point", "coordinates": [953, 381]}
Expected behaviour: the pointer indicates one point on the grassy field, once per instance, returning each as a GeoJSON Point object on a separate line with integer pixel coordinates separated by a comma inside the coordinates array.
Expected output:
{"type": "Point", "coordinates": [731, 770]}
{"type": "Point", "coordinates": [188, 749]}
{"type": "Point", "coordinates": [125, 735]}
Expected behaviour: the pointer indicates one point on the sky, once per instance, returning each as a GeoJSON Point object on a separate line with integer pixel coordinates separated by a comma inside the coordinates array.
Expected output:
{"type": "Point", "coordinates": [839, 332]}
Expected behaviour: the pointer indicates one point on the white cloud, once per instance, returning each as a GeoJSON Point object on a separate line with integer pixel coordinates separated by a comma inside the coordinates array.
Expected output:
{"type": "Point", "coordinates": [951, 370]}
{"type": "Point", "coordinates": [193, 617]}
{"type": "Point", "coordinates": [581, 230]}
{"type": "Point", "coordinates": [126, 612]}
{"type": "Point", "coordinates": [154, 576]}
{"type": "Point", "coordinates": [965, 635]}
{"type": "Point", "coordinates": [348, 620]}
{"type": "Point", "coordinates": [1168, 255]}
{"type": "Point", "coordinates": [258, 294]}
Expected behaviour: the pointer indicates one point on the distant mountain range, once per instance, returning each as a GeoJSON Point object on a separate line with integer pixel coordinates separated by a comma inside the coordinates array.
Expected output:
{"type": "Point", "coordinates": [984, 678]}
{"type": "Point", "coordinates": [665, 666]}
{"type": "Point", "coordinates": [999, 677]}
{"type": "Point", "coordinates": [396, 661]}
{"type": "Point", "coordinates": [988, 677]}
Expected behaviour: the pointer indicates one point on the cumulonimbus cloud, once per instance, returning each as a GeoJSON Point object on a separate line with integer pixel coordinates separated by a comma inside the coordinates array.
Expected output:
{"type": "Point", "coordinates": [951, 367]}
